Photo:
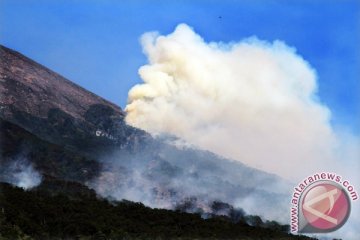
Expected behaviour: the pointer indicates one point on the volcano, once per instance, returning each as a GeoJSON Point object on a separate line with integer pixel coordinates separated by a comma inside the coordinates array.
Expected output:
{"type": "Point", "coordinates": [68, 134]}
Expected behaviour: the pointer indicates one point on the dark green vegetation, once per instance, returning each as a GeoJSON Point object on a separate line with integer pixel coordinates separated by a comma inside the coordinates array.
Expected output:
{"type": "Point", "coordinates": [72, 211]}
{"type": "Point", "coordinates": [49, 158]}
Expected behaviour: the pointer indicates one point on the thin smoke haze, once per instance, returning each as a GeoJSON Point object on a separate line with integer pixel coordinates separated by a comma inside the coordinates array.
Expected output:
{"type": "Point", "coordinates": [20, 173]}
{"type": "Point", "coordinates": [173, 177]}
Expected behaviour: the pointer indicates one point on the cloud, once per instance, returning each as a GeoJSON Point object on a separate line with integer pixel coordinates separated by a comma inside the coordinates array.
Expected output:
{"type": "Point", "coordinates": [251, 101]}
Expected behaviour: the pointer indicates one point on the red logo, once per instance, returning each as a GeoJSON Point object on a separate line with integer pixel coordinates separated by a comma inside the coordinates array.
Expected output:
{"type": "Point", "coordinates": [326, 206]}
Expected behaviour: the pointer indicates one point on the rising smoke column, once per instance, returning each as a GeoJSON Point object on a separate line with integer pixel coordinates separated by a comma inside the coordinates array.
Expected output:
{"type": "Point", "coordinates": [252, 101]}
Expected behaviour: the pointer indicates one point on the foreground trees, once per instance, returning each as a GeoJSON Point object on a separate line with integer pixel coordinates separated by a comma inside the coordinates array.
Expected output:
{"type": "Point", "coordinates": [45, 214]}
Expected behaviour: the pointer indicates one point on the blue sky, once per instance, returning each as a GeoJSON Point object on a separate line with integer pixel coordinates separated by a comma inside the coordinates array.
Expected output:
{"type": "Point", "coordinates": [96, 43]}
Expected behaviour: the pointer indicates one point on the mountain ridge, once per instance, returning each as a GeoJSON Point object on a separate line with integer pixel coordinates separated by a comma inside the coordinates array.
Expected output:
{"type": "Point", "coordinates": [11, 58]}
{"type": "Point", "coordinates": [56, 109]}
{"type": "Point", "coordinates": [94, 146]}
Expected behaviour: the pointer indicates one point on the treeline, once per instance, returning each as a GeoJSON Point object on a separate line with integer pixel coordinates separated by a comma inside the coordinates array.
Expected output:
{"type": "Point", "coordinates": [44, 214]}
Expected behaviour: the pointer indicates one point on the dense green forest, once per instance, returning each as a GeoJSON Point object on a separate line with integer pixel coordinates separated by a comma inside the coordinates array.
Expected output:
{"type": "Point", "coordinates": [72, 211]}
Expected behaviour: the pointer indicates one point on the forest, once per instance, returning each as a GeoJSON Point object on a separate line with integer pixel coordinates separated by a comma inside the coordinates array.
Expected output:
{"type": "Point", "coordinates": [68, 210]}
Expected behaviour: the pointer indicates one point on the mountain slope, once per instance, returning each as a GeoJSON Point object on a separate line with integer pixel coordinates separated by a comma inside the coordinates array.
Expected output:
{"type": "Point", "coordinates": [54, 128]}
{"type": "Point", "coordinates": [39, 89]}
{"type": "Point", "coordinates": [57, 110]}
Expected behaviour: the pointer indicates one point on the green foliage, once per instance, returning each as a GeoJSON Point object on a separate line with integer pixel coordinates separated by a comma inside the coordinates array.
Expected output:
{"type": "Point", "coordinates": [44, 214]}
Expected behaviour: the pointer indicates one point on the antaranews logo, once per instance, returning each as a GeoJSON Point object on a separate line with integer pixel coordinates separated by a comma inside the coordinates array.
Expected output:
{"type": "Point", "coordinates": [321, 203]}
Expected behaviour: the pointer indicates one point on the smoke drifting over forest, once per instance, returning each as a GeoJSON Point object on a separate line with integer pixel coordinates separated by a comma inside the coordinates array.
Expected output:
{"type": "Point", "coordinates": [173, 177]}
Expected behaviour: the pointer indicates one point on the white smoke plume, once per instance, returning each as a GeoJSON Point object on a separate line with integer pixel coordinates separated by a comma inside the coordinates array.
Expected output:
{"type": "Point", "coordinates": [251, 101]}
{"type": "Point", "coordinates": [20, 173]}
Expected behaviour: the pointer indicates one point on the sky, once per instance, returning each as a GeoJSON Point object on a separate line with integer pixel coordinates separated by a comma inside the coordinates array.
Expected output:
{"type": "Point", "coordinates": [96, 43]}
